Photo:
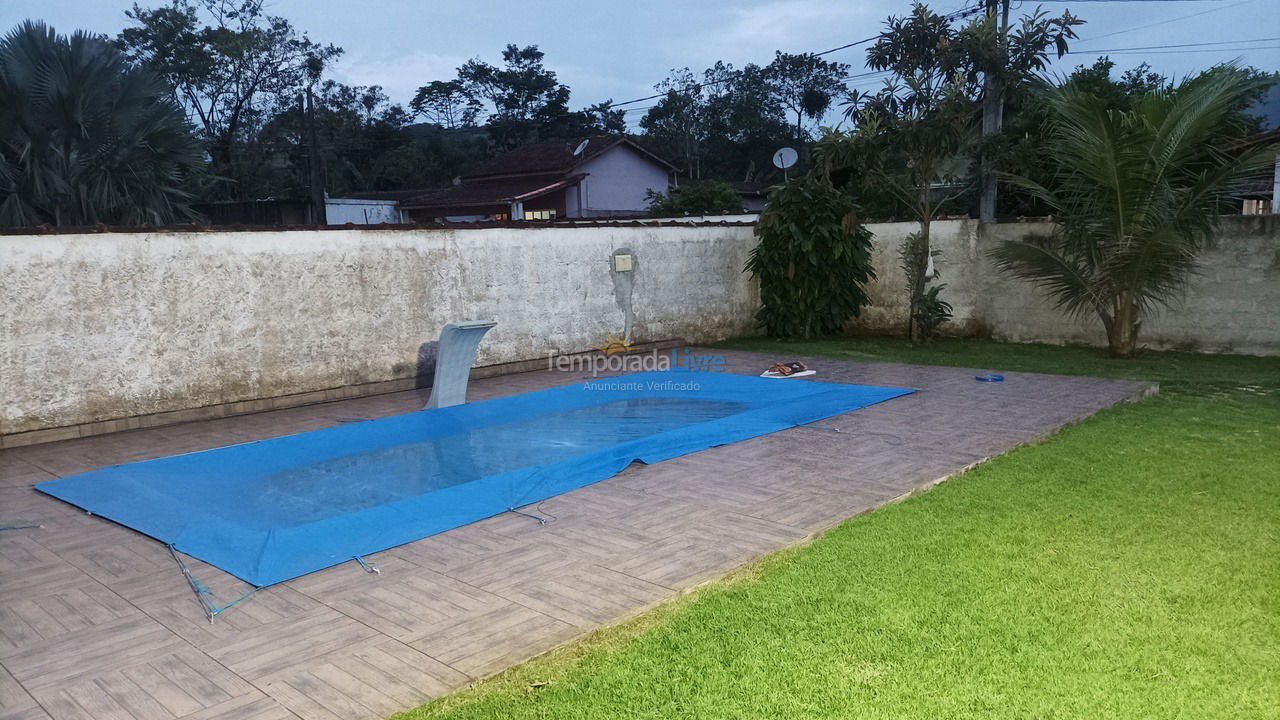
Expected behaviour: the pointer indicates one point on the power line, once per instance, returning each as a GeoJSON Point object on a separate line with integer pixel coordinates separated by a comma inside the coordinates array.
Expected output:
{"type": "Point", "coordinates": [876, 75]}
{"type": "Point", "coordinates": [1176, 45]}
{"type": "Point", "coordinates": [1181, 52]}
{"type": "Point", "coordinates": [963, 12]}
{"type": "Point", "coordinates": [846, 46]}
{"type": "Point", "coordinates": [868, 76]}
{"type": "Point", "coordinates": [1170, 20]}
{"type": "Point", "coordinates": [950, 16]}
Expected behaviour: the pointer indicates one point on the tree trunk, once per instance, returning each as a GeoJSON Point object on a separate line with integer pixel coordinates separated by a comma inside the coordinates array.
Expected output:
{"type": "Point", "coordinates": [916, 283]}
{"type": "Point", "coordinates": [992, 121]}
{"type": "Point", "coordinates": [222, 165]}
{"type": "Point", "coordinates": [992, 117]}
{"type": "Point", "coordinates": [1122, 330]}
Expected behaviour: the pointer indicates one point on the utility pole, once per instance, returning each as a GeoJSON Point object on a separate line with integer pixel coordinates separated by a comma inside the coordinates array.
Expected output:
{"type": "Point", "coordinates": [316, 185]}
{"type": "Point", "coordinates": [993, 112]}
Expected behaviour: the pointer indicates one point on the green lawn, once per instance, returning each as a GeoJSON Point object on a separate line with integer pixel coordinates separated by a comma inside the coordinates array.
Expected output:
{"type": "Point", "coordinates": [1128, 567]}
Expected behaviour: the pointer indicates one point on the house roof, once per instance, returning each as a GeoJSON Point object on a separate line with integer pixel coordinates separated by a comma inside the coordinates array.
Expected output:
{"type": "Point", "coordinates": [527, 172]}
{"type": "Point", "coordinates": [556, 156]}
{"type": "Point", "coordinates": [492, 192]}
{"type": "Point", "coordinates": [750, 188]}
{"type": "Point", "coordinates": [398, 195]}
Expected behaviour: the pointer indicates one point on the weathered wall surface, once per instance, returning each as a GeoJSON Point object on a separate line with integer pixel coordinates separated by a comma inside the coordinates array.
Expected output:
{"type": "Point", "coordinates": [103, 326]}
{"type": "Point", "coordinates": [960, 266]}
{"type": "Point", "coordinates": [1231, 305]}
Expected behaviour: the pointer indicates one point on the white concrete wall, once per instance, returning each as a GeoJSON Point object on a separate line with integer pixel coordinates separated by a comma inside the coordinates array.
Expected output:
{"type": "Point", "coordinates": [111, 325]}
{"type": "Point", "coordinates": [683, 219]}
{"type": "Point", "coordinates": [103, 326]}
{"type": "Point", "coordinates": [1231, 305]}
{"type": "Point", "coordinates": [340, 211]}
{"type": "Point", "coordinates": [618, 181]}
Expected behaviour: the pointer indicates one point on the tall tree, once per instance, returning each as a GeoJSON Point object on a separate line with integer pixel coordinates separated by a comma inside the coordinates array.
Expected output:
{"type": "Point", "coordinates": [745, 123]}
{"type": "Point", "coordinates": [358, 130]}
{"type": "Point", "coordinates": [923, 121]}
{"type": "Point", "coordinates": [1136, 193]}
{"type": "Point", "coordinates": [675, 125]}
{"type": "Point", "coordinates": [805, 86]}
{"type": "Point", "coordinates": [1021, 151]}
{"type": "Point", "coordinates": [230, 65]}
{"type": "Point", "coordinates": [920, 130]}
{"type": "Point", "coordinates": [446, 103]}
{"type": "Point", "coordinates": [724, 124]}
{"type": "Point", "coordinates": [84, 138]}
{"type": "Point", "coordinates": [601, 117]}
{"type": "Point", "coordinates": [525, 98]}
{"type": "Point", "coordinates": [1007, 60]}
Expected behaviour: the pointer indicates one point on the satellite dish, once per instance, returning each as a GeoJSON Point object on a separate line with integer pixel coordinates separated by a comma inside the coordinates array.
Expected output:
{"type": "Point", "coordinates": [785, 158]}
{"type": "Point", "coordinates": [581, 146]}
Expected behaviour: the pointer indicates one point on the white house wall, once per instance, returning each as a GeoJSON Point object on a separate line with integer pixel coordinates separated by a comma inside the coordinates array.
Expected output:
{"type": "Point", "coordinates": [340, 211]}
{"type": "Point", "coordinates": [618, 180]}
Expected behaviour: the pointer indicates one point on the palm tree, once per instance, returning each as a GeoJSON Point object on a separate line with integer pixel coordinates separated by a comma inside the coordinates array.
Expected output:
{"type": "Point", "coordinates": [85, 139]}
{"type": "Point", "coordinates": [1136, 194]}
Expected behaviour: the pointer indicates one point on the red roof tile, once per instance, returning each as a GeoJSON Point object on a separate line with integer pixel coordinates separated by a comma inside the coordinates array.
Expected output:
{"type": "Point", "coordinates": [492, 192]}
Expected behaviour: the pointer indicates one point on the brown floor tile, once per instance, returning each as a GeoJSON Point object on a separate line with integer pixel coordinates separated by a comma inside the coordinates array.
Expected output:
{"type": "Point", "coordinates": [96, 621]}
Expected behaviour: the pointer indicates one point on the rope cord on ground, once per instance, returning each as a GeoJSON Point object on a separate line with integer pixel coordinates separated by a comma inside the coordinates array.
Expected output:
{"type": "Point", "coordinates": [203, 594]}
{"type": "Point", "coordinates": [539, 508]}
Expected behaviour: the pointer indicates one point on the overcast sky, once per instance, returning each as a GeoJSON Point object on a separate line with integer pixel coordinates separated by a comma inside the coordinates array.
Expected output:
{"type": "Point", "coordinates": [618, 50]}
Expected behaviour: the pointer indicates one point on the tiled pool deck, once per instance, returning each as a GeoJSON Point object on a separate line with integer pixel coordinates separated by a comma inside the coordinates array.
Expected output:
{"type": "Point", "coordinates": [97, 622]}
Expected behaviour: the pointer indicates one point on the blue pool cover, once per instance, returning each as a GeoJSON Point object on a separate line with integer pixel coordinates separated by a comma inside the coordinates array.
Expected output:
{"type": "Point", "coordinates": [272, 510]}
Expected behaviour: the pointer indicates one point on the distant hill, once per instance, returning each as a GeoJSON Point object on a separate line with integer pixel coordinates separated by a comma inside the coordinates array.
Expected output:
{"type": "Point", "coordinates": [428, 131]}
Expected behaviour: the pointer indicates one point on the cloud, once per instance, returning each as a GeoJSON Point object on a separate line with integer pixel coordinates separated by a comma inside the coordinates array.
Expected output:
{"type": "Point", "coordinates": [399, 75]}
{"type": "Point", "coordinates": [789, 25]}
{"type": "Point", "coordinates": [753, 33]}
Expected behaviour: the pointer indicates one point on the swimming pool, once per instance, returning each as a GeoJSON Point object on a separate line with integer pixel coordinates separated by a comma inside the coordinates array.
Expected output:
{"type": "Point", "coordinates": [275, 509]}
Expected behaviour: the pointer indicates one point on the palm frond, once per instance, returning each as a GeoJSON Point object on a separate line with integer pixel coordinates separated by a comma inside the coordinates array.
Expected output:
{"type": "Point", "coordinates": [84, 138]}
{"type": "Point", "coordinates": [1136, 193]}
{"type": "Point", "coordinates": [1042, 260]}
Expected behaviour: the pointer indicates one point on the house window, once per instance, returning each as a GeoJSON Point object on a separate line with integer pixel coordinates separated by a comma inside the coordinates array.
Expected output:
{"type": "Point", "coordinates": [1256, 207]}
{"type": "Point", "coordinates": [539, 214]}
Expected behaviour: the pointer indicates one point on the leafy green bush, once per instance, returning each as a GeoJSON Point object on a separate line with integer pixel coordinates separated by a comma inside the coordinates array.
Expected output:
{"type": "Point", "coordinates": [696, 198]}
{"type": "Point", "coordinates": [813, 260]}
{"type": "Point", "coordinates": [931, 312]}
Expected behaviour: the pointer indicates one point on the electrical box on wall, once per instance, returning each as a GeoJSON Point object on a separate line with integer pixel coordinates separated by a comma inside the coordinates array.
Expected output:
{"type": "Point", "coordinates": [622, 263]}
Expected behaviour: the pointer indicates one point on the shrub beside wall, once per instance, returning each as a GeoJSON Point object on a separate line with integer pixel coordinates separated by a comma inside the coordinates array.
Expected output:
{"type": "Point", "coordinates": [812, 262]}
